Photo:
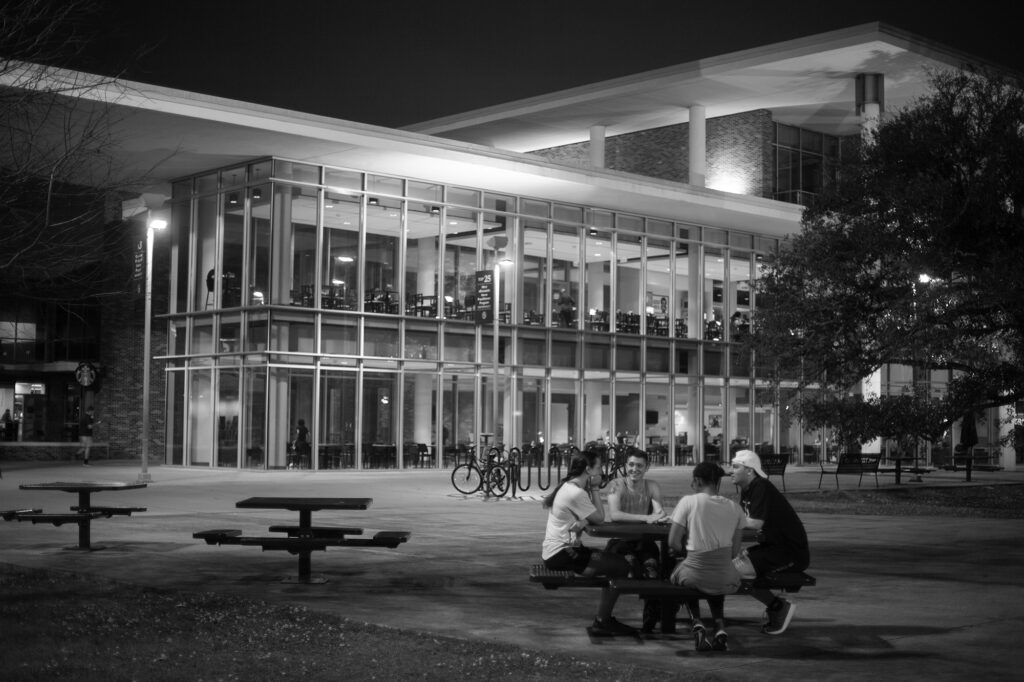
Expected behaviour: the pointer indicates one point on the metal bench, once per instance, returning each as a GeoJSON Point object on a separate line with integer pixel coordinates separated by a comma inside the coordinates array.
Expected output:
{"type": "Point", "coordinates": [219, 536]}
{"type": "Point", "coordinates": [850, 464]}
{"type": "Point", "coordinates": [58, 519]}
{"type": "Point", "coordinates": [12, 514]}
{"type": "Point", "coordinates": [318, 531]}
{"type": "Point", "coordinates": [111, 511]}
{"type": "Point", "coordinates": [552, 580]}
{"type": "Point", "coordinates": [782, 582]}
{"type": "Point", "coordinates": [303, 546]}
{"type": "Point", "coordinates": [775, 465]}
{"type": "Point", "coordinates": [385, 538]}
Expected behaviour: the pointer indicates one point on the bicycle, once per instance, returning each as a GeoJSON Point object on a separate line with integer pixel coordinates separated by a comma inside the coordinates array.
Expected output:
{"type": "Point", "coordinates": [494, 477]}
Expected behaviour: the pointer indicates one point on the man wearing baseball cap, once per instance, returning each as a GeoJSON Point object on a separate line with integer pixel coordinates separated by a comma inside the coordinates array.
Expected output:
{"type": "Point", "coordinates": [782, 540]}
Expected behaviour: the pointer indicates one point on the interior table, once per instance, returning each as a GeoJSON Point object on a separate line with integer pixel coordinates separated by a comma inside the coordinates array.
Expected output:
{"type": "Point", "coordinates": [85, 489]}
{"type": "Point", "coordinates": [306, 506]}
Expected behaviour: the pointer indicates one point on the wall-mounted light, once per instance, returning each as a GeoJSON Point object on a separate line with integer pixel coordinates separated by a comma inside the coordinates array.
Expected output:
{"type": "Point", "coordinates": [373, 201]}
{"type": "Point", "coordinates": [435, 210]}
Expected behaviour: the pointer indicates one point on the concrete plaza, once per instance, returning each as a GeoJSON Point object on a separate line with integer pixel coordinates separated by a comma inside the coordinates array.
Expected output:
{"type": "Point", "coordinates": [897, 597]}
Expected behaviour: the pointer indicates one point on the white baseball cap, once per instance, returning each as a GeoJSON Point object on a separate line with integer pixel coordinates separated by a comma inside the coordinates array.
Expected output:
{"type": "Point", "coordinates": [749, 458]}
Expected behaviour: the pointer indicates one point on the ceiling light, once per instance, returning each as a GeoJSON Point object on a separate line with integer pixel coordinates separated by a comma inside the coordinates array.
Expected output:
{"type": "Point", "coordinates": [435, 210]}
{"type": "Point", "coordinates": [257, 193]}
{"type": "Point", "coordinates": [345, 259]}
{"type": "Point", "coordinates": [373, 201]}
{"type": "Point", "coordinates": [233, 198]}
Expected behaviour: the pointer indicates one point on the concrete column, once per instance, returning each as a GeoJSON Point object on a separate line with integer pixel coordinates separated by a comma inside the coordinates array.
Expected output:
{"type": "Point", "coordinates": [695, 309]}
{"type": "Point", "coordinates": [870, 102]}
{"type": "Point", "coordinates": [423, 394]}
{"type": "Point", "coordinates": [698, 145]}
{"type": "Point", "coordinates": [426, 267]}
{"type": "Point", "coordinates": [597, 146]}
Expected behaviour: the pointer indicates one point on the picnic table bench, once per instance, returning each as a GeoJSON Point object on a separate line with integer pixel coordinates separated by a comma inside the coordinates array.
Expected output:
{"type": "Point", "coordinates": [850, 464]}
{"type": "Point", "coordinates": [304, 538]}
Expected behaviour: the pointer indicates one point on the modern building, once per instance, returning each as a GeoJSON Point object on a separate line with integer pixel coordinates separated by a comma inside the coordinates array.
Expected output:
{"type": "Point", "coordinates": [572, 267]}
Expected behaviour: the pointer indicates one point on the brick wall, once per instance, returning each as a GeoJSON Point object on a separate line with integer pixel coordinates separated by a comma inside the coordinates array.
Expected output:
{"type": "Point", "coordinates": [119, 401]}
{"type": "Point", "coordinates": [738, 145]}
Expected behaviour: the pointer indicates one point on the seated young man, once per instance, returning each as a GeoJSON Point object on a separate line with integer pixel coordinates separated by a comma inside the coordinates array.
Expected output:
{"type": "Point", "coordinates": [634, 498]}
{"type": "Point", "coordinates": [782, 540]}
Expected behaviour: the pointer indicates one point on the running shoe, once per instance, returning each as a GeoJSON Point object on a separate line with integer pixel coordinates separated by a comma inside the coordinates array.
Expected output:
{"type": "Point", "coordinates": [778, 616]}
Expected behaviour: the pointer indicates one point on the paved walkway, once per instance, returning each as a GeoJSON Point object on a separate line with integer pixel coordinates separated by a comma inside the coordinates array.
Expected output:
{"type": "Point", "coordinates": [897, 598]}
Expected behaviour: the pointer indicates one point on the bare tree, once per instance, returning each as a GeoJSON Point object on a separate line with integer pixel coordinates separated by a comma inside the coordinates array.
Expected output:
{"type": "Point", "coordinates": [60, 186]}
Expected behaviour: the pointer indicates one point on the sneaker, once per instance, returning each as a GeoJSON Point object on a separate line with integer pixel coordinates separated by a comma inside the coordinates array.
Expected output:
{"type": "Point", "coordinates": [720, 642]}
{"type": "Point", "coordinates": [611, 627]}
{"type": "Point", "coordinates": [700, 638]}
{"type": "Point", "coordinates": [777, 616]}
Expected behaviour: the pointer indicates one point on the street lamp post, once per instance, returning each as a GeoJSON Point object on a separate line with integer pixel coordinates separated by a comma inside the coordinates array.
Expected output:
{"type": "Point", "coordinates": [496, 410]}
{"type": "Point", "coordinates": [154, 223]}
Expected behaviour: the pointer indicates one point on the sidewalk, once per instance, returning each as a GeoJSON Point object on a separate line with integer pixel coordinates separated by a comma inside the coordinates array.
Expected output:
{"type": "Point", "coordinates": [897, 598]}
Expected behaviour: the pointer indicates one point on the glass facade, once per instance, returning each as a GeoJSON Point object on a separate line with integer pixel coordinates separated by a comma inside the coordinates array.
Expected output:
{"type": "Point", "coordinates": [403, 321]}
{"type": "Point", "coordinates": [805, 162]}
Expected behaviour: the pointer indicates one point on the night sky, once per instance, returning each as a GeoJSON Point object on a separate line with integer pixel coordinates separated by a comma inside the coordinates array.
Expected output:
{"type": "Point", "coordinates": [396, 62]}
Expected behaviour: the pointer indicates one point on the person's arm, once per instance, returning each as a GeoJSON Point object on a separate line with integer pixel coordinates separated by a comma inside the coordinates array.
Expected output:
{"type": "Point", "coordinates": [597, 517]}
{"type": "Point", "coordinates": [756, 508]}
{"type": "Point", "coordinates": [656, 505]}
{"type": "Point", "coordinates": [737, 541]}
{"type": "Point", "coordinates": [676, 537]}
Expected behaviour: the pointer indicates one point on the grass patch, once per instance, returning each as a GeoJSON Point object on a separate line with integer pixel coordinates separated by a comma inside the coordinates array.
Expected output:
{"type": "Point", "coordinates": [988, 501]}
{"type": "Point", "coordinates": [65, 626]}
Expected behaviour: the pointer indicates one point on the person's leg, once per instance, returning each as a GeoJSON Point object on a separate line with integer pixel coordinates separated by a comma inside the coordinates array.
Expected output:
{"type": "Point", "coordinates": [612, 566]}
{"type": "Point", "coordinates": [87, 445]}
{"type": "Point", "coordinates": [716, 605]}
{"type": "Point", "coordinates": [720, 641]}
{"type": "Point", "coordinates": [693, 607]}
{"type": "Point", "coordinates": [700, 634]}
{"type": "Point", "coordinates": [649, 557]}
{"type": "Point", "coordinates": [768, 559]}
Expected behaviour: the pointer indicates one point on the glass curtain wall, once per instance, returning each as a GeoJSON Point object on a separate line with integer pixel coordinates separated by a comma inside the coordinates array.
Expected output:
{"type": "Point", "coordinates": [331, 296]}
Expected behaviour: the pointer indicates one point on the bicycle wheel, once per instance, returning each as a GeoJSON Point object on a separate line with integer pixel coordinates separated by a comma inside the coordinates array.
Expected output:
{"type": "Point", "coordinates": [497, 481]}
{"type": "Point", "coordinates": [466, 479]}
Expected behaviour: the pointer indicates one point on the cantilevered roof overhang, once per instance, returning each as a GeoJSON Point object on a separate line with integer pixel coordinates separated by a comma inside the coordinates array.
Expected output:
{"type": "Point", "coordinates": [807, 82]}
{"type": "Point", "coordinates": [162, 134]}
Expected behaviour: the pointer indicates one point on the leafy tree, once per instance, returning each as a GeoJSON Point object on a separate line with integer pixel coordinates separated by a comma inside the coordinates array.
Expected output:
{"type": "Point", "coordinates": [914, 256]}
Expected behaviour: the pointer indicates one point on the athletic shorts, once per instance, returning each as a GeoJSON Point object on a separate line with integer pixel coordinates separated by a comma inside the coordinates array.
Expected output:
{"type": "Point", "coordinates": [769, 559]}
{"type": "Point", "coordinates": [573, 559]}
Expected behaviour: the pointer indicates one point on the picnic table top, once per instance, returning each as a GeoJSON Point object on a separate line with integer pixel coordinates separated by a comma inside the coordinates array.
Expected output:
{"type": "Point", "coordinates": [82, 486]}
{"type": "Point", "coordinates": [306, 503]}
{"type": "Point", "coordinates": [629, 530]}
